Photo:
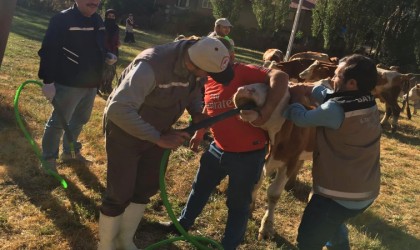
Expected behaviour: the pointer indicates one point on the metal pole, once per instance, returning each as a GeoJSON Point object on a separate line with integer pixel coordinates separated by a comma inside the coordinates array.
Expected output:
{"type": "Point", "coordinates": [292, 35]}
{"type": "Point", "coordinates": [7, 8]}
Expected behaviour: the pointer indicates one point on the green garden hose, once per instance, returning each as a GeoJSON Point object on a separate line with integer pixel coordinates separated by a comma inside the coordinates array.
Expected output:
{"type": "Point", "coordinates": [29, 137]}
{"type": "Point", "coordinates": [197, 241]}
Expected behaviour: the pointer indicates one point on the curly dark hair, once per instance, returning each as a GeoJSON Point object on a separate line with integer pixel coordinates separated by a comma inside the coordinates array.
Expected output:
{"type": "Point", "coordinates": [362, 69]}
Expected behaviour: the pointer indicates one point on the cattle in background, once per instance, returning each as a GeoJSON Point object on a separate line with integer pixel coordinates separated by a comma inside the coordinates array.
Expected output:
{"type": "Point", "coordinates": [297, 63]}
{"type": "Point", "coordinates": [317, 71]}
{"type": "Point", "coordinates": [395, 68]}
{"type": "Point", "coordinates": [389, 86]}
{"type": "Point", "coordinates": [383, 66]}
{"type": "Point", "coordinates": [272, 55]}
{"type": "Point", "coordinates": [290, 145]}
{"type": "Point", "coordinates": [292, 68]}
{"type": "Point", "coordinates": [414, 96]}
{"type": "Point", "coordinates": [314, 56]}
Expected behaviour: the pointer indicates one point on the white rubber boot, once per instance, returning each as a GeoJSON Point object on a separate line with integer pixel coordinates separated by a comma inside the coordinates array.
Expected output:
{"type": "Point", "coordinates": [108, 230]}
{"type": "Point", "coordinates": [130, 220]}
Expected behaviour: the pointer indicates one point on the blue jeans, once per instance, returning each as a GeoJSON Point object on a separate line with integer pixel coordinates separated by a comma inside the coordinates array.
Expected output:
{"type": "Point", "coordinates": [244, 171]}
{"type": "Point", "coordinates": [76, 104]}
{"type": "Point", "coordinates": [322, 222]}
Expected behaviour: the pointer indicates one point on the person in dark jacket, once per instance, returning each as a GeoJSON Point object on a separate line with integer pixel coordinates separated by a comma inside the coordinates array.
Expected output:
{"type": "Point", "coordinates": [112, 42]}
{"type": "Point", "coordinates": [112, 32]}
{"type": "Point", "coordinates": [72, 56]}
{"type": "Point", "coordinates": [154, 91]}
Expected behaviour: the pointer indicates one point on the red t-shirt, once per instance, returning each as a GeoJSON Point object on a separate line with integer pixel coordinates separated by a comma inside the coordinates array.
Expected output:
{"type": "Point", "coordinates": [233, 134]}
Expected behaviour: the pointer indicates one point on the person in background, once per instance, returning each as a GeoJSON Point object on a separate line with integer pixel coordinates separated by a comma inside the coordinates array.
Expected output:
{"type": "Point", "coordinates": [112, 42]}
{"type": "Point", "coordinates": [71, 63]}
{"type": "Point", "coordinates": [346, 168]}
{"type": "Point", "coordinates": [238, 151]}
{"type": "Point", "coordinates": [154, 91]}
{"type": "Point", "coordinates": [112, 32]}
{"type": "Point", "coordinates": [222, 28]}
{"type": "Point", "coordinates": [129, 29]}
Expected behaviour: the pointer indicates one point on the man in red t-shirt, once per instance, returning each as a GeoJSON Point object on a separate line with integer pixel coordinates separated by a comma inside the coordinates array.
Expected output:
{"type": "Point", "coordinates": [238, 151]}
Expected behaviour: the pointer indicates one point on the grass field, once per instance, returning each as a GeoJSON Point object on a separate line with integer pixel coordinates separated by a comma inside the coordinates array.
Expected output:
{"type": "Point", "coordinates": [37, 213]}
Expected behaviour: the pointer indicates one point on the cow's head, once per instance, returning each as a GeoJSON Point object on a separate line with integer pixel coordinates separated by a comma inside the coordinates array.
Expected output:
{"type": "Point", "coordinates": [317, 71]}
{"type": "Point", "coordinates": [308, 73]}
{"type": "Point", "coordinates": [253, 93]}
{"type": "Point", "coordinates": [275, 55]}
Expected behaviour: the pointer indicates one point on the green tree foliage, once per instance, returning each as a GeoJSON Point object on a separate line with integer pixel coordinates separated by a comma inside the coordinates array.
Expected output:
{"type": "Point", "coordinates": [226, 8]}
{"type": "Point", "coordinates": [400, 41]}
{"type": "Point", "coordinates": [46, 5]}
{"type": "Point", "coordinates": [137, 7]}
{"type": "Point", "coordinates": [270, 14]}
{"type": "Point", "coordinates": [383, 25]}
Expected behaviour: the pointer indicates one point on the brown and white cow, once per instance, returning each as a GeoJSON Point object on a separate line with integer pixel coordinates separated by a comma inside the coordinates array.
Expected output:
{"type": "Point", "coordinates": [272, 55]}
{"type": "Point", "coordinates": [311, 55]}
{"type": "Point", "coordinates": [414, 96]}
{"type": "Point", "coordinates": [389, 86]}
{"type": "Point", "coordinates": [293, 68]}
{"type": "Point", "coordinates": [317, 71]}
{"type": "Point", "coordinates": [289, 147]}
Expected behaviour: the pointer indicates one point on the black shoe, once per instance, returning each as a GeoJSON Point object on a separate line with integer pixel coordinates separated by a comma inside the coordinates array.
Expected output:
{"type": "Point", "coordinates": [169, 227]}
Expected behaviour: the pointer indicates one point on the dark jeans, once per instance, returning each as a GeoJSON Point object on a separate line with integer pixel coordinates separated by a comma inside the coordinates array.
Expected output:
{"type": "Point", "coordinates": [244, 170]}
{"type": "Point", "coordinates": [323, 221]}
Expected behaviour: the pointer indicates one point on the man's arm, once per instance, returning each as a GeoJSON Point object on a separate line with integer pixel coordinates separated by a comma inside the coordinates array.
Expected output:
{"type": "Point", "coordinates": [329, 114]}
{"type": "Point", "coordinates": [317, 92]}
{"type": "Point", "coordinates": [129, 96]}
{"type": "Point", "coordinates": [198, 136]}
{"type": "Point", "coordinates": [278, 81]}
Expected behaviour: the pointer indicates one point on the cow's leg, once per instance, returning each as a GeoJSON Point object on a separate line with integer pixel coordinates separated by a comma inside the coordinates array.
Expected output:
{"type": "Point", "coordinates": [273, 195]}
{"type": "Point", "coordinates": [395, 116]}
{"type": "Point", "coordinates": [388, 113]}
{"type": "Point", "coordinates": [392, 107]}
{"type": "Point", "coordinates": [254, 195]}
{"type": "Point", "coordinates": [395, 110]}
{"type": "Point", "coordinates": [292, 179]}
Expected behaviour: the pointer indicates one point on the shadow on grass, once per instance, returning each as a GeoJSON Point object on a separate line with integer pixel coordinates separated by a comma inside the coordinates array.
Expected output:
{"type": "Point", "coordinates": [406, 134]}
{"type": "Point", "coordinates": [300, 191]}
{"type": "Point", "coordinates": [69, 220]}
{"type": "Point", "coordinates": [391, 237]}
{"type": "Point", "coordinates": [69, 217]}
{"type": "Point", "coordinates": [282, 243]}
{"type": "Point", "coordinates": [150, 233]}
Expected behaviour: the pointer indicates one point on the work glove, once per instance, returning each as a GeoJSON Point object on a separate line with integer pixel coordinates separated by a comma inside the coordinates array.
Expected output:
{"type": "Point", "coordinates": [110, 58]}
{"type": "Point", "coordinates": [49, 91]}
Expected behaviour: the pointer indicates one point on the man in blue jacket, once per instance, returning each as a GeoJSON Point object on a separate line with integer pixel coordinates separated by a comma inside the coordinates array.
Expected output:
{"type": "Point", "coordinates": [72, 56]}
{"type": "Point", "coordinates": [346, 170]}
